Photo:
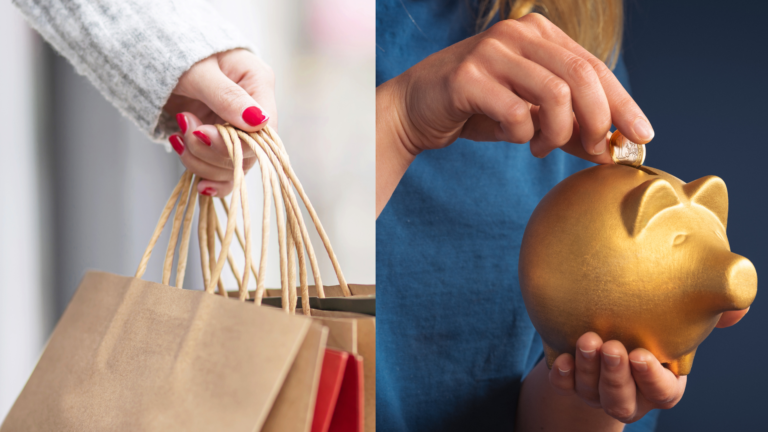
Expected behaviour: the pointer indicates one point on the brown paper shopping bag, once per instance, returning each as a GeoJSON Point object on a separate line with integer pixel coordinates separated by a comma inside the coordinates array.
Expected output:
{"type": "Point", "coordinates": [356, 334]}
{"type": "Point", "coordinates": [129, 354]}
{"type": "Point", "coordinates": [351, 332]}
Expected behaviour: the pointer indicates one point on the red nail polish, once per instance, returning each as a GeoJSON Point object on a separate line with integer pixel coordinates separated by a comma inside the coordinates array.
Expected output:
{"type": "Point", "coordinates": [209, 191]}
{"type": "Point", "coordinates": [253, 116]}
{"type": "Point", "coordinates": [203, 137]}
{"type": "Point", "coordinates": [177, 143]}
{"type": "Point", "coordinates": [181, 119]}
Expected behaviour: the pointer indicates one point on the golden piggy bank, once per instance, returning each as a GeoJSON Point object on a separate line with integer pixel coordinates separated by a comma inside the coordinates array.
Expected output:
{"type": "Point", "coordinates": [635, 255]}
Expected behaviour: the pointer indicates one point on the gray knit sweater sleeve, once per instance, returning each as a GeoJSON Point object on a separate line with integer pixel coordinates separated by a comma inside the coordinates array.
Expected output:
{"type": "Point", "coordinates": [134, 51]}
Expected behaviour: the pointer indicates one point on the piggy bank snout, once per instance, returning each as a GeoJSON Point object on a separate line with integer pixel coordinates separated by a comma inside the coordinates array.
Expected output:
{"type": "Point", "coordinates": [741, 283]}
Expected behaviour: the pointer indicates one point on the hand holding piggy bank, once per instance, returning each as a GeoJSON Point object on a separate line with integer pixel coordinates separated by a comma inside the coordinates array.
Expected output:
{"type": "Point", "coordinates": [634, 255]}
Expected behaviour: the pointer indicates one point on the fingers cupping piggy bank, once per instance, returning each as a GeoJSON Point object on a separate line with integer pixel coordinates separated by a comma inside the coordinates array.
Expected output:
{"type": "Point", "coordinates": [635, 255]}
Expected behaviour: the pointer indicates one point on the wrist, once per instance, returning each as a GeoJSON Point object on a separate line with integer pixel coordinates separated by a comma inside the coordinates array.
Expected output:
{"type": "Point", "coordinates": [394, 149]}
{"type": "Point", "coordinates": [541, 407]}
{"type": "Point", "coordinates": [393, 126]}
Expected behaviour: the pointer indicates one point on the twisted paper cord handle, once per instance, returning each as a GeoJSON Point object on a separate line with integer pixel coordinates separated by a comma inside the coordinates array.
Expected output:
{"type": "Point", "coordinates": [277, 178]}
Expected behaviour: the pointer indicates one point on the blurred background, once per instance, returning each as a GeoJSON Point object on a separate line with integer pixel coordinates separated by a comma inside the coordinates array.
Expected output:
{"type": "Point", "coordinates": [84, 188]}
{"type": "Point", "coordinates": [697, 70]}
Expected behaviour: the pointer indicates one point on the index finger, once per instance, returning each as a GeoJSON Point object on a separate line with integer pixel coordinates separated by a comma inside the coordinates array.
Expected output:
{"type": "Point", "coordinates": [214, 150]}
{"type": "Point", "coordinates": [205, 142]}
{"type": "Point", "coordinates": [626, 114]}
{"type": "Point", "coordinates": [575, 146]}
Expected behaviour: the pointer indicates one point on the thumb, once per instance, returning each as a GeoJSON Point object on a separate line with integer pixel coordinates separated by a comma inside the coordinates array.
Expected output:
{"type": "Point", "coordinates": [229, 101]}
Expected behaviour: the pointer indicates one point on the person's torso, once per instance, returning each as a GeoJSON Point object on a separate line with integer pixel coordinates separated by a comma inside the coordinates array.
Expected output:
{"type": "Point", "coordinates": [454, 340]}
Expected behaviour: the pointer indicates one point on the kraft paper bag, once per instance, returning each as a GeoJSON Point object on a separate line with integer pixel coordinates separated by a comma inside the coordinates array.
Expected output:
{"type": "Point", "coordinates": [294, 407]}
{"type": "Point", "coordinates": [130, 354]}
{"type": "Point", "coordinates": [352, 332]}
{"type": "Point", "coordinates": [355, 334]}
{"type": "Point", "coordinates": [133, 355]}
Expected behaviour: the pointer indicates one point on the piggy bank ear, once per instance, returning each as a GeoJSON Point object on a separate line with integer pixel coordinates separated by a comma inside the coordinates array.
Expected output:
{"type": "Point", "coordinates": [710, 192]}
{"type": "Point", "coordinates": [646, 201]}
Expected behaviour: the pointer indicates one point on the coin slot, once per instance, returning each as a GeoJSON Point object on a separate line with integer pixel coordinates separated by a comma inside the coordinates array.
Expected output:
{"type": "Point", "coordinates": [645, 170]}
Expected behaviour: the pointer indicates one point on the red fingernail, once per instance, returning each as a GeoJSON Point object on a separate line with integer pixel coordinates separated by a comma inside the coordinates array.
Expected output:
{"type": "Point", "coordinates": [253, 116]}
{"type": "Point", "coordinates": [181, 119]}
{"type": "Point", "coordinates": [211, 192]}
{"type": "Point", "coordinates": [177, 143]}
{"type": "Point", "coordinates": [203, 137]}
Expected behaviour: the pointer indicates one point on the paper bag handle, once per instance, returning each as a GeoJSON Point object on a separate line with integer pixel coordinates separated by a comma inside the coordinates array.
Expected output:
{"type": "Point", "coordinates": [268, 147]}
{"type": "Point", "coordinates": [185, 212]}
{"type": "Point", "coordinates": [182, 188]}
{"type": "Point", "coordinates": [277, 174]}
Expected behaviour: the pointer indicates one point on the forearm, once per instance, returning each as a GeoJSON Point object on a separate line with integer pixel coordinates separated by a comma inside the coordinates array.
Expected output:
{"type": "Point", "coordinates": [133, 51]}
{"type": "Point", "coordinates": [541, 408]}
{"type": "Point", "coordinates": [393, 156]}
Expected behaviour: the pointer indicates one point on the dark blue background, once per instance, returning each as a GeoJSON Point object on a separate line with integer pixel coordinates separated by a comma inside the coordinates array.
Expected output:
{"type": "Point", "coordinates": [698, 71]}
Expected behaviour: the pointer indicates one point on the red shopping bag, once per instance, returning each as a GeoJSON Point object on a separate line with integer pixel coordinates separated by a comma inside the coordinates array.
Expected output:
{"type": "Point", "coordinates": [340, 396]}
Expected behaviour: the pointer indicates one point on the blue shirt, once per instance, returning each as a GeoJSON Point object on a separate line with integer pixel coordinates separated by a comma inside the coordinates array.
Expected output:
{"type": "Point", "coordinates": [454, 341]}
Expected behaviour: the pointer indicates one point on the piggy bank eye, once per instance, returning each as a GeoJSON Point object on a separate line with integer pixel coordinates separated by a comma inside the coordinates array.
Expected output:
{"type": "Point", "coordinates": [679, 239]}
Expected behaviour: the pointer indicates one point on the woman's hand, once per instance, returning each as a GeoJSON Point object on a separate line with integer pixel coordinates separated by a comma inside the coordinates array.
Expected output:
{"type": "Point", "coordinates": [225, 87]}
{"type": "Point", "coordinates": [625, 385]}
{"type": "Point", "coordinates": [521, 80]}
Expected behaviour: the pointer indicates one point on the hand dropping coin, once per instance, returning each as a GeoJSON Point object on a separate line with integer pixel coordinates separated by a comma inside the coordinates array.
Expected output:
{"type": "Point", "coordinates": [625, 152]}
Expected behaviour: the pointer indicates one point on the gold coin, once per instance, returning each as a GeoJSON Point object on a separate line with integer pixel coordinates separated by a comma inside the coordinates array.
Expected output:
{"type": "Point", "coordinates": [625, 152]}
